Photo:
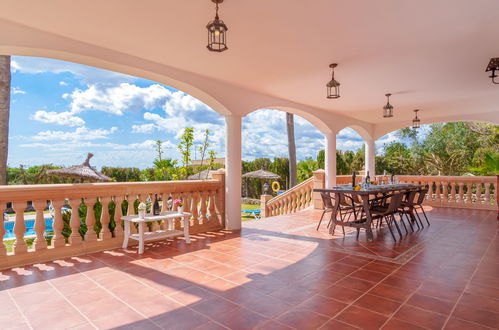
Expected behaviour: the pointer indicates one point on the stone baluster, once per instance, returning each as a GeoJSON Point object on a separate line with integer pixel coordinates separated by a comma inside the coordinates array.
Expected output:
{"type": "Point", "coordinates": [438, 196]}
{"type": "Point", "coordinates": [131, 211]}
{"type": "Point", "coordinates": [478, 193]}
{"type": "Point", "coordinates": [118, 214]}
{"type": "Point", "coordinates": [74, 222]}
{"type": "Point", "coordinates": [204, 201]}
{"type": "Point", "coordinates": [3, 250]}
{"type": "Point", "coordinates": [195, 198]}
{"type": "Point", "coordinates": [164, 205]}
{"type": "Point", "coordinates": [20, 246]}
{"type": "Point", "coordinates": [461, 192]}
{"type": "Point", "coordinates": [469, 188]}
{"type": "Point", "coordinates": [430, 191]}
{"type": "Point", "coordinates": [212, 207]}
{"type": "Point", "coordinates": [40, 242]}
{"type": "Point", "coordinates": [57, 224]}
{"type": "Point", "coordinates": [487, 193]}
{"type": "Point", "coordinates": [91, 235]}
{"type": "Point", "coordinates": [105, 233]}
{"type": "Point", "coordinates": [445, 187]}
{"type": "Point", "coordinates": [453, 192]}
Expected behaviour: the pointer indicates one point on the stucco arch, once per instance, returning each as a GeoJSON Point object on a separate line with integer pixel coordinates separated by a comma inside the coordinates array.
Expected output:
{"type": "Point", "coordinates": [314, 120]}
{"type": "Point", "coordinates": [490, 117]}
{"type": "Point", "coordinates": [160, 73]}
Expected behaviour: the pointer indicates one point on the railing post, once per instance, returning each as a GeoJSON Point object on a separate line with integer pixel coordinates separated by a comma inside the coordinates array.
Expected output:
{"type": "Point", "coordinates": [3, 250]}
{"type": "Point", "coordinates": [40, 242]}
{"type": "Point", "coordinates": [74, 222]}
{"type": "Point", "coordinates": [90, 235]}
{"type": "Point", "coordinates": [220, 195]}
{"type": "Point", "coordinates": [20, 245]}
{"type": "Point", "coordinates": [263, 205]}
{"type": "Point", "coordinates": [319, 183]}
{"type": "Point", "coordinates": [118, 213]}
{"type": "Point", "coordinates": [105, 233]}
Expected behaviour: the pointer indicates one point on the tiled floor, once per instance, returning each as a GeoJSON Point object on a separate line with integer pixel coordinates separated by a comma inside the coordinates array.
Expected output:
{"type": "Point", "coordinates": [276, 273]}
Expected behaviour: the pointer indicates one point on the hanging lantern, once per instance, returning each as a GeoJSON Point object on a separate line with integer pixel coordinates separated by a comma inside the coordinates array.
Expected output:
{"type": "Point", "coordinates": [493, 66]}
{"type": "Point", "coordinates": [416, 123]}
{"type": "Point", "coordinates": [217, 33]}
{"type": "Point", "coordinates": [333, 87]}
{"type": "Point", "coordinates": [388, 108]}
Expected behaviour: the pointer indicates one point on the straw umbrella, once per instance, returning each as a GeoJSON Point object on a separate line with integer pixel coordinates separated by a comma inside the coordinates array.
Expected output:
{"type": "Point", "coordinates": [82, 172]}
{"type": "Point", "coordinates": [261, 174]}
{"type": "Point", "coordinates": [203, 175]}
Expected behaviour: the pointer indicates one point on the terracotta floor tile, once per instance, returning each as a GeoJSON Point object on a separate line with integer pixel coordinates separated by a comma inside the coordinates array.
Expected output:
{"type": "Point", "coordinates": [378, 304]}
{"type": "Point", "coordinates": [214, 307]}
{"type": "Point", "coordinates": [458, 324]}
{"type": "Point", "coordinates": [339, 267]}
{"type": "Point", "coordinates": [184, 318]}
{"type": "Point", "coordinates": [395, 324]}
{"type": "Point", "coordinates": [241, 318]}
{"type": "Point", "coordinates": [381, 268]}
{"type": "Point", "coordinates": [211, 326]}
{"type": "Point", "coordinates": [420, 317]}
{"type": "Point", "coordinates": [265, 305]}
{"type": "Point", "coordinates": [355, 283]}
{"type": "Point", "coordinates": [341, 293]}
{"type": "Point", "coordinates": [337, 325]}
{"type": "Point", "coordinates": [390, 292]}
{"type": "Point", "coordinates": [292, 296]}
{"type": "Point", "coordinates": [431, 304]}
{"type": "Point", "coordinates": [300, 318]}
{"type": "Point", "coordinates": [50, 312]}
{"type": "Point", "coordinates": [361, 318]}
{"type": "Point", "coordinates": [401, 282]}
{"type": "Point", "coordinates": [368, 275]}
{"type": "Point", "coordinates": [482, 302]}
{"type": "Point", "coordinates": [323, 305]}
{"type": "Point", "coordinates": [191, 295]}
{"type": "Point", "coordinates": [272, 325]}
{"type": "Point", "coordinates": [475, 315]}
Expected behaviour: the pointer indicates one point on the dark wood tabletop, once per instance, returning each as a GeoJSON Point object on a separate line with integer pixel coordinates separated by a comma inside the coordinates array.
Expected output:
{"type": "Point", "coordinates": [372, 189]}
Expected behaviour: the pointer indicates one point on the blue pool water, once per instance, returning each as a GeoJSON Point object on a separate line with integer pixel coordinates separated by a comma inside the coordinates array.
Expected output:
{"type": "Point", "coordinates": [30, 231]}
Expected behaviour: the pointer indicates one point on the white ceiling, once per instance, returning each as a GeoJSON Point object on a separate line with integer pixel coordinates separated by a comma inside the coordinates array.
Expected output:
{"type": "Point", "coordinates": [429, 54]}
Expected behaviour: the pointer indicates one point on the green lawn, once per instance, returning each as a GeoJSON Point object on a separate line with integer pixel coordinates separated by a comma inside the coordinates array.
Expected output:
{"type": "Point", "coordinates": [246, 217]}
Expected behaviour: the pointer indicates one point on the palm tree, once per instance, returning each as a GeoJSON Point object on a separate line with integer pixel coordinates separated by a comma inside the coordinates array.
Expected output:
{"type": "Point", "coordinates": [290, 125]}
{"type": "Point", "coordinates": [4, 115]}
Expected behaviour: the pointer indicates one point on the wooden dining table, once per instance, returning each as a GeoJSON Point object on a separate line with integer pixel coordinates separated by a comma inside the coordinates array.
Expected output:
{"type": "Point", "coordinates": [365, 194]}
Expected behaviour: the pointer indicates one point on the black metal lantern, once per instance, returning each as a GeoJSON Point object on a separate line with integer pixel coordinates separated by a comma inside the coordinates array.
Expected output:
{"type": "Point", "coordinates": [217, 33]}
{"type": "Point", "coordinates": [333, 87]}
{"type": "Point", "coordinates": [388, 108]}
{"type": "Point", "coordinates": [493, 66]}
{"type": "Point", "coordinates": [416, 123]}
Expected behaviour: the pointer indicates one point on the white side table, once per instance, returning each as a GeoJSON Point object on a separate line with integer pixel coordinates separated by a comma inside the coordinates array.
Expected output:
{"type": "Point", "coordinates": [143, 236]}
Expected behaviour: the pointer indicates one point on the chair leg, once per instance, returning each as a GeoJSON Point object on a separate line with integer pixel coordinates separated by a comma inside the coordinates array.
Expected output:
{"type": "Point", "coordinates": [403, 223]}
{"type": "Point", "coordinates": [409, 222]}
{"type": "Point", "coordinates": [396, 226]}
{"type": "Point", "coordinates": [424, 213]}
{"type": "Point", "coordinates": [322, 216]}
{"type": "Point", "coordinates": [334, 228]}
{"type": "Point", "coordinates": [390, 228]}
{"type": "Point", "coordinates": [420, 221]}
{"type": "Point", "coordinates": [358, 232]}
{"type": "Point", "coordinates": [417, 218]}
{"type": "Point", "coordinates": [343, 228]}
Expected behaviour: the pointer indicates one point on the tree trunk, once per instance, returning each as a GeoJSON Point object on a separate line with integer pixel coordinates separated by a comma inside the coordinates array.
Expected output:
{"type": "Point", "coordinates": [4, 115]}
{"type": "Point", "coordinates": [290, 124]}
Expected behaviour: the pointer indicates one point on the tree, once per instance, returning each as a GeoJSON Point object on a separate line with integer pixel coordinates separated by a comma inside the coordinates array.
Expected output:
{"type": "Point", "coordinates": [290, 125]}
{"type": "Point", "coordinates": [5, 77]}
{"type": "Point", "coordinates": [185, 145]}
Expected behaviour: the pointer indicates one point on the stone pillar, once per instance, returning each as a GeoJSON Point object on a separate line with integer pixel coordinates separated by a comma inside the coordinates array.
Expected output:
{"type": "Point", "coordinates": [233, 172]}
{"type": "Point", "coordinates": [319, 183]}
{"type": "Point", "coordinates": [263, 201]}
{"type": "Point", "coordinates": [330, 161]}
{"type": "Point", "coordinates": [370, 158]}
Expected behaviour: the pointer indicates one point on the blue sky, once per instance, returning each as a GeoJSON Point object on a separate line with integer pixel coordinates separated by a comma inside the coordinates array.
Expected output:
{"type": "Point", "coordinates": [60, 111]}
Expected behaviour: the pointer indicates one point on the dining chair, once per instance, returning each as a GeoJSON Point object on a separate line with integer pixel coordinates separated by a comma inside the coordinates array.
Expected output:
{"type": "Point", "coordinates": [386, 208]}
{"type": "Point", "coordinates": [327, 200]}
{"type": "Point", "coordinates": [418, 204]}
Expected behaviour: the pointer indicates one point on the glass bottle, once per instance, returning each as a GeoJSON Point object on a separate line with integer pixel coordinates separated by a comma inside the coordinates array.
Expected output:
{"type": "Point", "coordinates": [155, 207]}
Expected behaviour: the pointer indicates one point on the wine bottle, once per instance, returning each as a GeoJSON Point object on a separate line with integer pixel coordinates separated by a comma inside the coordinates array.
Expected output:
{"type": "Point", "coordinates": [353, 179]}
{"type": "Point", "coordinates": [368, 179]}
{"type": "Point", "coordinates": [155, 206]}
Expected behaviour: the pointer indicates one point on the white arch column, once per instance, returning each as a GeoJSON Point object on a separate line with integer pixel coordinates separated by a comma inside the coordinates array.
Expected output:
{"type": "Point", "coordinates": [330, 161]}
{"type": "Point", "coordinates": [233, 170]}
{"type": "Point", "coordinates": [370, 159]}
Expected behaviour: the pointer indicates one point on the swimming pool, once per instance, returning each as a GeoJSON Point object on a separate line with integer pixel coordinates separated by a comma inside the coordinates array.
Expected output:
{"type": "Point", "coordinates": [30, 228]}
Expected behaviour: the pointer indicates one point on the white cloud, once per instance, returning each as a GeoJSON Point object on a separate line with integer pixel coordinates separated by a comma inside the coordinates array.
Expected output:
{"type": "Point", "coordinates": [17, 90]}
{"type": "Point", "coordinates": [80, 134]}
{"type": "Point", "coordinates": [65, 118]}
{"type": "Point", "coordinates": [63, 83]}
{"type": "Point", "coordinates": [144, 128]}
{"type": "Point", "coordinates": [118, 99]}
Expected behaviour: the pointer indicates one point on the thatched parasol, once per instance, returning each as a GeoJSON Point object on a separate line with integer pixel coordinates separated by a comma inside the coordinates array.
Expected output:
{"type": "Point", "coordinates": [82, 172]}
{"type": "Point", "coordinates": [203, 175]}
{"type": "Point", "coordinates": [262, 174]}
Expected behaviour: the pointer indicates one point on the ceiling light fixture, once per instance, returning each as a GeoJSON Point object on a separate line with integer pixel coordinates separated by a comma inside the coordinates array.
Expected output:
{"type": "Point", "coordinates": [217, 30]}
{"type": "Point", "coordinates": [333, 87]}
{"type": "Point", "coordinates": [493, 66]}
{"type": "Point", "coordinates": [416, 123]}
{"type": "Point", "coordinates": [388, 108]}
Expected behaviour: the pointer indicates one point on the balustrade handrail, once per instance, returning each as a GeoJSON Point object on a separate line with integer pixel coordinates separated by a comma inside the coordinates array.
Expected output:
{"type": "Point", "coordinates": [16, 193]}
{"type": "Point", "coordinates": [290, 191]}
